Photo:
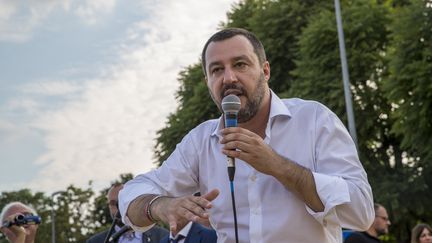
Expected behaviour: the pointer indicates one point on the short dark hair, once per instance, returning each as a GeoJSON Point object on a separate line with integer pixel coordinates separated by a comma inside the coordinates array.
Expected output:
{"type": "Point", "coordinates": [231, 32]}
{"type": "Point", "coordinates": [377, 206]}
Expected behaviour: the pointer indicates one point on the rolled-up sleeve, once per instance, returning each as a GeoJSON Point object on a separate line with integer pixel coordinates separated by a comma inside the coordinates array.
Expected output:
{"type": "Point", "coordinates": [341, 182]}
{"type": "Point", "coordinates": [134, 188]}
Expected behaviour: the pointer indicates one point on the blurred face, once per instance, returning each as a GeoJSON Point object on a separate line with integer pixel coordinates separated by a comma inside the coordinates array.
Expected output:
{"type": "Point", "coordinates": [113, 200]}
{"type": "Point", "coordinates": [233, 68]}
{"type": "Point", "coordinates": [381, 222]}
{"type": "Point", "coordinates": [425, 236]}
{"type": "Point", "coordinates": [30, 230]}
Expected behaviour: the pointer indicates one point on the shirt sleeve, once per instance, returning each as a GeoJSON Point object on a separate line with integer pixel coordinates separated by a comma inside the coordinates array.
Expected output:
{"type": "Point", "coordinates": [341, 182]}
{"type": "Point", "coordinates": [180, 165]}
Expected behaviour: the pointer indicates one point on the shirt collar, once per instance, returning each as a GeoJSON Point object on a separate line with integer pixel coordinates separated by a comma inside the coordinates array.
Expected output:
{"type": "Point", "coordinates": [277, 108]}
{"type": "Point", "coordinates": [184, 232]}
{"type": "Point", "coordinates": [129, 233]}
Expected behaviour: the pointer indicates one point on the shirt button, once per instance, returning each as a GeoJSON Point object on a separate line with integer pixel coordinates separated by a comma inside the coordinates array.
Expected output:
{"type": "Point", "coordinates": [253, 177]}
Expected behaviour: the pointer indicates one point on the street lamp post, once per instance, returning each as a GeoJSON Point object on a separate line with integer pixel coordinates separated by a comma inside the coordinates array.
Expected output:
{"type": "Point", "coordinates": [345, 74]}
{"type": "Point", "coordinates": [53, 234]}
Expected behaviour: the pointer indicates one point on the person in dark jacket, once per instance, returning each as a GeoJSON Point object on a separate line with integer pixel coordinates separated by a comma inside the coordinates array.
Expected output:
{"type": "Point", "coordinates": [379, 227]}
{"type": "Point", "coordinates": [155, 234]}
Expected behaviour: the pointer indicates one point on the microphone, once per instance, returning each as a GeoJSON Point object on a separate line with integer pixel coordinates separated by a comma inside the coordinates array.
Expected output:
{"type": "Point", "coordinates": [231, 106]}
{"type": "Point", "coordinates": [119, 233]}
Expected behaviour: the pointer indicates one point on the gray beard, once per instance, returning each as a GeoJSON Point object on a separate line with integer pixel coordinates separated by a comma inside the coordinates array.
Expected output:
{"type": "Point", "coordinates": [252, 104]}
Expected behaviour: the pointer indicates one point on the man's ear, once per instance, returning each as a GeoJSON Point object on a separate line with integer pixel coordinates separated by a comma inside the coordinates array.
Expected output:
{"type": "Point", "coordinates": [266, 70]}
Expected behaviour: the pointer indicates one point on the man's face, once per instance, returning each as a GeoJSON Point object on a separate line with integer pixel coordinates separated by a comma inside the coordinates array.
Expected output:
{"type": "Point", "coordinates": [382, 221]}
{"type": "Point", "coordinates": [233, 68]}
{"type": "Point", "coordinates": [112, 198]}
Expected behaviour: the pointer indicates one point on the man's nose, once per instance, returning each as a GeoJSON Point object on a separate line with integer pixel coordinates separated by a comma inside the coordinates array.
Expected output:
{"type": "Point", "coordinates": [229, 76]}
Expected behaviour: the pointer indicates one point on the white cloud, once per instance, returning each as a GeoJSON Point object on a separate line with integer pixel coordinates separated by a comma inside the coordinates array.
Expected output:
{"type": "Point", "coordinates": [110, 128]}
{"type": "Point", "coordinates": [11, 132]}
{"type": "Point", "coordinates": [24, 105]}
{"type": "Point", "coordinates": [90, 10]}
{"type": "Point", "coordinates": [51, 88]}
{"type": "Point", "coordinates": [19, 18]}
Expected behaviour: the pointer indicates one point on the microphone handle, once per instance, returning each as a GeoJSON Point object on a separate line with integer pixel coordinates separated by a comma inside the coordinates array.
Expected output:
{"type": "Point", "coordinates": [231, 121]}
{"type": "Point", "coordinates": [119, 233]}
{"type": "Point", "coordinates": [231, 168]}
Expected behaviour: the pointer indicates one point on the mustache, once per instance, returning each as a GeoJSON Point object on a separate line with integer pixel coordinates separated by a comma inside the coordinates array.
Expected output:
{"type": "Point", "coordinates": [240, 90]}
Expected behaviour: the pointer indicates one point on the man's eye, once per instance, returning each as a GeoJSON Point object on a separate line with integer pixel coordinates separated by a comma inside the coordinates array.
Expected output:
{"type": "Point", "coordinates": [240, 65]}
{"type": "Point", "coordinates": [216, 70]}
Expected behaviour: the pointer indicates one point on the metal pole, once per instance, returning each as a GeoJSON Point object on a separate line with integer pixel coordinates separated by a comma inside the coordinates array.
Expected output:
{"type": "Point", "coordinates": [345, 75]}
{"type": "Point", "coordinates": [53, 234]}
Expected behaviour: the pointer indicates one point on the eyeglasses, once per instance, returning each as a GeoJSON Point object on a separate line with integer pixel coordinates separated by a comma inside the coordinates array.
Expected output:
{"type": "Point", "coordinates": [382, 217]}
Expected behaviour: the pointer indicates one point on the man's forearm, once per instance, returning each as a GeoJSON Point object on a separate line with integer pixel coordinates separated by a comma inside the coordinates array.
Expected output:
{"type": "Point", "coordinates": [300, 180]}
{"type": "Point", "coordinates": [137, 210]}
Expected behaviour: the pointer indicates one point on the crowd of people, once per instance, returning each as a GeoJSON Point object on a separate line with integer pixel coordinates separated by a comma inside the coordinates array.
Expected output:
{"type": "Point", "coordinates": [298, 176]}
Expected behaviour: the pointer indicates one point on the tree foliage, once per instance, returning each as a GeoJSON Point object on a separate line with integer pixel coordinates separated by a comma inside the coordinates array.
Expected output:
{"type": "Point", "coordinates": [408, 87]}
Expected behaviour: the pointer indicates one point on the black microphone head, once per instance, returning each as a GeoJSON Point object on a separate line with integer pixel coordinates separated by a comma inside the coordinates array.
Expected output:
{"type": "Point", "coordinates": [231, 104]}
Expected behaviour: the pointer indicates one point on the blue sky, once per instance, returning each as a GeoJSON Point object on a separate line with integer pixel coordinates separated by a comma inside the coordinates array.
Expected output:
{"type": "Point", "coordinates": [85, 84]}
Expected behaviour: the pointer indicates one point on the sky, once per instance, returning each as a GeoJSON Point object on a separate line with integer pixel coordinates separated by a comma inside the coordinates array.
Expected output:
{"type": "Point", "coordinates": [85, 85]}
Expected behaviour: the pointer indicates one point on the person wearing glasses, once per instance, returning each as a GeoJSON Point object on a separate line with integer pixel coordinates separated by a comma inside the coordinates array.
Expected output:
{"type": "Point", "coordinates": [155, 234]}
{"type": "Point", "coordinates": [379, 227]}
{"type": "Point", "coordinates": [18, 233]}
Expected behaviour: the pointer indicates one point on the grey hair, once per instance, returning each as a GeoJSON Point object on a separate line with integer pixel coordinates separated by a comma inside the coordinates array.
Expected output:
{"type": "Point", "coordinates": [14, 204]}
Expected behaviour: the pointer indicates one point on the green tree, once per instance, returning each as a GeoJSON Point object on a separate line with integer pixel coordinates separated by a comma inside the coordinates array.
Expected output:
{"type": "Point", "coordinates": [277, 24]}
{"type": "Point", "coordinates": [409, 89]}
{"type": "Point", "coordinates": [73, 214]}
{"type": "Point", "coordinates": [366, 27]}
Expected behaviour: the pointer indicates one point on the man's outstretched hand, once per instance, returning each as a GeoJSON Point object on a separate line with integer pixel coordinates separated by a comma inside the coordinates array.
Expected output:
{"type": "Point", "coordinates": [177, 212]}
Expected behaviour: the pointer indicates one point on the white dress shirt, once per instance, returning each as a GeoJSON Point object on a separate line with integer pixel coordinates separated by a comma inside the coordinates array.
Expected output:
{"type": "Point", "coordinates": [303, 131]}
{"type": "Point", "coordinates": [129, 237]}
{"type": "Point", "coordinates": [184, 232]}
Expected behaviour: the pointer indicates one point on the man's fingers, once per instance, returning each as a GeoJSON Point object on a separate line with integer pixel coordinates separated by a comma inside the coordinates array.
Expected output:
{"type": "Point", "coordinates": [172, 224]}
{"type": "Point", "coordinates": [210, 196]}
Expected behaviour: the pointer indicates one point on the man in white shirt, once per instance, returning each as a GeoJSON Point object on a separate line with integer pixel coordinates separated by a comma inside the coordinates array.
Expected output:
{"type": "Point", "coordinates": [298, 177]}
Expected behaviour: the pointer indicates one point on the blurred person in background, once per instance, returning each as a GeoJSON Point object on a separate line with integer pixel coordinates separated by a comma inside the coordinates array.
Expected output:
{"type": "Point", "coordinates": [379, 227]}
{"type": "Point", "coordinates": [155, 234]}
{"type": "Point", "coordinates": [421, 233]}
{"type": "Point", "coordinates": [18, 233]}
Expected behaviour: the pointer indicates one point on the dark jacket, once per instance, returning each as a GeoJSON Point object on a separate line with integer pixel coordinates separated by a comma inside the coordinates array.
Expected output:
{"type": "Point", "coordinates": [197, 234]}
{"type": "Point", "coordinates": [361, 237]}
{"type": "Point", "coordinates": [155, 234]}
